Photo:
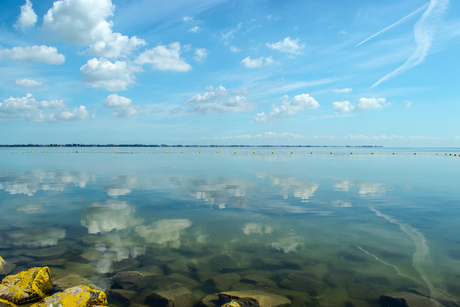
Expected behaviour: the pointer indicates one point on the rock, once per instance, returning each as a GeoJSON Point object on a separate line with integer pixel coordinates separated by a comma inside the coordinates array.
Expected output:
{"type": "Point", "coordinates": [49, 252]}
{"type": "Point", "coordinates": [73, 280]}
{"type": "Point", "coordinates": [184, 280]}
{"type": "Point", "coordinates": [228, 264]}
{"type": "Point", "coordinates": [260, 283]}
{"type": "Point", "coordinates": [26, 286]}
{"type": "Point", "coordinates": [83, 269]}
{"type": "Point", "coordinates": [176, 267]}
{"type": "Point", "coordinates": [5, 303]}
{"type": "Point", "coordinates": [406, 299]}
{"type": "Point", "coordinates": [80, 296]}
{"type": "Point", "coordinates": [127, 264]}
{"type": "Point", "coordinates": [174, 295]}
{"type": "Point", "coordinates": [254, 298]}
{"type": "Point", "coordinates": [128, 279]}
{"type": "Point", "coordinates": [224, 282]}
{"type": "Point", "coordinates": [48, 262]}
{"type": "Point", "coordinates": [7, 268]}
{"type": "Point", "coordinates": [303, 283]}
{"type": "Point", "coordinates": [150, 270]}
{"type": "Point", "coordinates": [19, 260]}
{"type": "Point", "coordinates": [269, 263]}
{"type": "Point", "coordinates": [210, 301]}
{"type": "Point", "coordinates": [120, 297]}
{"type": "Point", "coordinates": [365, 290]}
{"type": "Point", "coordinates": [91, 255]}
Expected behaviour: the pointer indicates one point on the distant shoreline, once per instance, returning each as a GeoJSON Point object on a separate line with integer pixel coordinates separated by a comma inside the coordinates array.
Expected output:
{"type": "Point", "coordinates": [166, 145]}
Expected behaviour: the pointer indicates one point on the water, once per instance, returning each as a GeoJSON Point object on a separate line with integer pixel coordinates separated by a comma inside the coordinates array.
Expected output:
{"type": "Point", "coordinates": [357, 226]}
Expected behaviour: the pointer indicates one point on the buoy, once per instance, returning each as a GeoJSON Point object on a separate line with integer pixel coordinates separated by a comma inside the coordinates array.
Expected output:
{"type": "Point", "coordinates": [331, 152]}
{"type": "Point", "coordinates": [292, 153]}
{"type": "Point", "coordinates": [44, 151]}
{"type": "Point", "coordinates": [200, 151]}
{"type": "Point", "coordinates": [217, 152]}
{"type": "Point", "coordinates": [446, 154]}
{"type": "Point", "coordinates": [372, 153]}
{"type": "Point", "coordinates": [166, 152]}
{"type": "Point", "coordinates": [393, 154]}
{"type": "Point", "coordinates": [273, 153]}
{"type": "Point", "coordinates": [20, 151]}
{"type": "Point", "coordinates": [253, 152]}
{"type": "Point", "coordinates": [101, 151]}
{"type": "Point", "coordinates": [8, 151]}
{"type": "Point", "coordinates": [311, 152]}
{"type": "Point", "coordinates": [85, 151]}
{"type": "Point", "coordinates": [351, 153]}
{"type": "Point", "coordinates": [415, 153]}
{"type": "Point", "coordinates": [182, 152]}
{"type": "Point", "coordinates": [76, 151]}
{"type": "Point", "coordinates": [450, 154]}
{"type": "Point", "coordinates": [149, 151]}
{"type": "Point", "coordinates": [437, 154]}
{"type": "Point", "coordinates": [32, 151]}
{"type": "Point", "coordinates": [132, 151]}
{"type": "Point", "coordinates": [455, 155]}
{"type": "Point", "coordinates": [116, 151]}
{"type": "Point", "coordinates": [71, 151]}
{"type": "Point", "coordinates": [235, 152]}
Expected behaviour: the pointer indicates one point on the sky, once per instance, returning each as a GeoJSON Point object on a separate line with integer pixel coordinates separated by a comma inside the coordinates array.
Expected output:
{"type": "Point", "coordinates": [216, 72]}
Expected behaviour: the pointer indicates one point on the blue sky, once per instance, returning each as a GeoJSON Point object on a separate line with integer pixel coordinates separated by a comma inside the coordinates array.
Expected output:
{"type": "Point", "coordinates": [230, 72]}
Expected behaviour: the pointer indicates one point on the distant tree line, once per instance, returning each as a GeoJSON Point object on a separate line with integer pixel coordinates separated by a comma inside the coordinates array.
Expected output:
{"type": "Point", "coordinates": [166, 145]}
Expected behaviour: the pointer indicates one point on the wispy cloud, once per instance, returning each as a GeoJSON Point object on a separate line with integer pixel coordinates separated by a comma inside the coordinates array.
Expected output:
{"type": "Point", "coordinates": [396, 23]}
{"type": "Point", "coordinates": [424, 31]}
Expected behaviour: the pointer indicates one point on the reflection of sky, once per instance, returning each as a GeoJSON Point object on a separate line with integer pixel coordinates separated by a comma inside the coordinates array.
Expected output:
{"type": "Point", "coordinates": [302, 190]}
{"type": "Point", "coordinates": [36, 238]}
{"type": "Point", "coordinates": [364, 188]}
{"type": "Point", "coordinates": [164, 232]}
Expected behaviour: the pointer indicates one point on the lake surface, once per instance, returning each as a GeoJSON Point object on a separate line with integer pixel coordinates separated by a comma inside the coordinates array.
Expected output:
{"type": "Point", "coordinates": [355, 225]}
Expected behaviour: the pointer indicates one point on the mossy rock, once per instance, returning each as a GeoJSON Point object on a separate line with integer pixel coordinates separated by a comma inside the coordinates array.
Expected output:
{"type": "Point", "coordinates": [5, 303]}
{"type": "Point", "coordinates": [79, 296]}
{"type": "Point", "coordinates": [30, 285]}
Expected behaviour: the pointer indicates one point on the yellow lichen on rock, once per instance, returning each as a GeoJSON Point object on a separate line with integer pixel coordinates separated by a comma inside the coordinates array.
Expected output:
{"type": "Point", "coordinates": [5, 303]}
{"type": "Point", "coordinates": [231, 304]}
{"type": "Point", "coordinates": [30, 285]}
{"type": "Point", "coordinates": [79, 296]}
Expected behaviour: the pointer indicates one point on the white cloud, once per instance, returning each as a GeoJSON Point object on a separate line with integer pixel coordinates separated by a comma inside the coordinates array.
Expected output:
{"type": "Point", "coordinates": [424, 31]}
{"type": "Point", "coordinates": [300, 102]}
{"type": "Point", "coordinates": [34, 54]}
{"type": "Point", "coordinates": [365, 104]}
{"type": "Point", "coordinates": [188, 19]}
{"type": "Point", "coordinates": [200, 54]}
{"type": "Point", "coordinates": [235, 49]}
{"type": "Point", "coordinates": [102, 73]}
{"type": "Point", "coordinates": [219, 100]}
{"type": "Point", "coordinates": [288, 45]}
{"type": "Point", "coordinates": [408, 103]}
{"type": "Point", "coordinates": [121, 106]}
{"type": "Point", "coordinates": [84, 22]}
{"type": "Point", "coordinates": [341, 107]}
{"type": "Point", "coordinates": [195, 29]}
{"type": "Point", "coordinates": [31, 110]}
{"type": "Point", "coordinates": [28, 83]}
{"type": "Point", "coordinates": [343, 90]}
{"type": "Point", "coordinates": [241, 91]}
{"type": "Point", "coordinates": [27, 18]}
{"type": "Point", "coordinates": [259, 62]}
{"type": "Point", "coordinates": [164, 58]}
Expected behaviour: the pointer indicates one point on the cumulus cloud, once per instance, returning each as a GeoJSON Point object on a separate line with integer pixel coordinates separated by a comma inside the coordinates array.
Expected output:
{"type": "Point", "coordinates": [219, 100]}
{"type": "Point", "coordinates": [195, 29]}
{"type": "Point", "coordinates": [200, 54]}
{"type": "Point", "coordinates": [85, 22]}
{"type": "Point", "coordinates": [235, 49]}
{"type": "Point", "coordinates": [121, 106]}
{"type": "Point", "coordinates": [365, 104]}
{"type": "Point", "coordinates": [113, 77]}
{"type": "Point", "coordinates": [241, 91]}
{"type": "Point", "coordinates": [343, 90]}
{"type": "Point", "coordinates": [31, 110]}
{"type": "Point", "coordinates": [259, 62]}
{"type": "Point", "coordinates": [288, 108]}
{"type": "Point", "coordinates": [28, 18]}
{"type": "Point", "coordinates": [41, 53]}
{"type": "Point", "coordinates": [28, 83]}
{"type": "Point", "coordinates": [164, 58]}
{"type": "Point", "coordinates": [288, 46]}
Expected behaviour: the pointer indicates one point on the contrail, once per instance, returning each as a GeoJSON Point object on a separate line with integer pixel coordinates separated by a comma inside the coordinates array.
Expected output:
{"type": "Point", "coordinates": [424, 31]}
{"type": "Point", "coordinates": [396, 23]}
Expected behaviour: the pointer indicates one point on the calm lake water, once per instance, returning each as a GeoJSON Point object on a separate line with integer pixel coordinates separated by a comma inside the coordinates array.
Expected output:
{"type": "Point", "coordinates": [357, 226]}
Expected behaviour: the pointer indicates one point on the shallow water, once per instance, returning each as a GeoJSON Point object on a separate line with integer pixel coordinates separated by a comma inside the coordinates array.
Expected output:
{"type": "Point", "coordinates": [358, 225]}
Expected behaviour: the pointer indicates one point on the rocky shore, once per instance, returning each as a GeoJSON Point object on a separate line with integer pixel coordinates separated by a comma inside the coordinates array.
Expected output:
{"type": "Point", "coordinates": [35, 288]}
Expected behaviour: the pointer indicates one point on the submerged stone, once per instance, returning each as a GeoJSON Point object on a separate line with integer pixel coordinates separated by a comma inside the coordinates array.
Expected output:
{"type": "Point", "coordinates": [26, 286]}
{"type": "Point", "coordinates": [406, 299]}
{"type": "Point", "coordinates": [119, 297]}
{"type": "Point", "coordinates": [174, 295]}
{"type": "Point", "coordinates": [49, 252]}
{"type": "Point", "coordinates": [127, 280]}
{"type": "Point", "coordinates": [73, 280]}
{"type": "Point", "coordinates": [127, 264]}
{"type": "Point", "coordinates": [254, 298]}
{"type": "Point", "coordinates": [80, 296]}
{"type": "Point", "coordinates": [303, 283]}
